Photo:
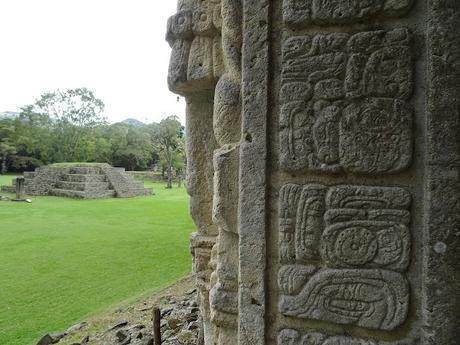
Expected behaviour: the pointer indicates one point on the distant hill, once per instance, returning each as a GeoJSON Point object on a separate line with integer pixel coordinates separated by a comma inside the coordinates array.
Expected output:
{"type": "Point", "coordinates": [9, 115]}
{"type": "Point", "coordinates": [133, 122]}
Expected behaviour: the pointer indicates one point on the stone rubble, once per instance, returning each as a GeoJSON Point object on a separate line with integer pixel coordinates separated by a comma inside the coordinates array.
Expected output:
{"type": "Point", "coordinates": [180, 325]}
{"type": "Point", "coordinates": [54, 338]}
{"type": "Point", "coordinates": [180, 322]}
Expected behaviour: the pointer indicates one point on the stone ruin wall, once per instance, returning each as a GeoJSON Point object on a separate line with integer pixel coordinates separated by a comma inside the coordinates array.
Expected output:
{"type": "Point", "coordinates": [323, 168]}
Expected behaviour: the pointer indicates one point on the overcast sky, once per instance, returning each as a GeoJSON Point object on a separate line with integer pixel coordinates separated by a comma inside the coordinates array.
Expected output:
{"type": "Point", "coordinates": [114, 47]}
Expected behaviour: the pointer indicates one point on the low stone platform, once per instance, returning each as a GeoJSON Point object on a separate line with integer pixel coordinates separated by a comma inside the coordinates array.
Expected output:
{"type": "Point", "coordinates": [85, 181]}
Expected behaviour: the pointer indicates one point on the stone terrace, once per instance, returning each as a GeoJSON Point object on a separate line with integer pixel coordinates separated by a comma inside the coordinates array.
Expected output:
{"type": "Point", "coordinates": [83, 181]}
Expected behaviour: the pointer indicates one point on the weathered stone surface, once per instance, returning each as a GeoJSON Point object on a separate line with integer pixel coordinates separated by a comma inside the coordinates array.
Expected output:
{"type": "Point", "coordinates": [346, 226]}
{"type": "Point", "coordinates": [441, 245]}
{"type": "Point", "coordinates": [343, 102]}
{"type": "Point", "coordinates": [376, 299]}
{"type": "Point", "coordinates": [304, 12]}
{"type": "Point", "coordinates": [206, 68]}
{"type": "Point", "coordinates": [355, 227]}
{"type": "Point", "coordinates": [195, 67]}
{"type": "Point", "coordinates": [333, 126]}
{"type": "Point", "coordinates": [294, 337]}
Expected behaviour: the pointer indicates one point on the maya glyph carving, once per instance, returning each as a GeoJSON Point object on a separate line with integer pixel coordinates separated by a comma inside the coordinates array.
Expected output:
{"type": "Point", "coordinates": [344, 102]}
{"type": "Point", "coordinates": [305, 12]}
{"type": "Point", "coordinates": [343, 250]}
{"type": "Point", "coordinates": [294, 337]}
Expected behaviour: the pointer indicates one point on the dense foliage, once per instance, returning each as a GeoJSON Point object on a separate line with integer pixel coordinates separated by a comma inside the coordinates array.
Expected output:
{"type": "Point", "coordinates": [68, 126]}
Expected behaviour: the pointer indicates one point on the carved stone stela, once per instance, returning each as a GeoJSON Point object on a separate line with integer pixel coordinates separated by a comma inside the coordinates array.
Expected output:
{"type": "Point", "coordinates": [360, 96]}
{"type": "Point", "coordinates": [344, 102]}
{"type": "Point", "coordinates": [344, 251]}
{"type": "Point", "coordinates": [345, 107]}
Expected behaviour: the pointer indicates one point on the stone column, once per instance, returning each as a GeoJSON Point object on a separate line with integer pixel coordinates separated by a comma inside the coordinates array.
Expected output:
{"type": "Point", "coordinates": [227, 130]}
{"type": "Point", "coordinates": [20, 188]}
{"type": "Point", "coordinates": [336, 173]}
{"type": "Point", "coordinates": [195, 67]}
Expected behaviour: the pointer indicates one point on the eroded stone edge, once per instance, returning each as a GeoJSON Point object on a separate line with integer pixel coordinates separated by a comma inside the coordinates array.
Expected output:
{"type": "Point", "coordinates": [441, 267]}
{"type": "Point", "coordinates": [253, 156]}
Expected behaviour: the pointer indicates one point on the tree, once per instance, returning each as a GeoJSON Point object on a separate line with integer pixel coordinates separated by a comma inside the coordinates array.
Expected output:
{"type": "Point", "coordinates": [21, 163]}
{"type": "Point", "coordinates": [132, 146]}
{"type": "Point", "coordinates": [68, 126]}
{"type": "Point", "coordinates": [166, 137]}
{"type": "Point", "coordinates": [75, 113]}
{"type": "Point", "coordinates": [180, 161]}
{"type": "Point", "coordinates": [6, 145]}
{"type": "Point", "coordinates": [78, 107]}
{"type": "Point", "coordinates": [34, 135]}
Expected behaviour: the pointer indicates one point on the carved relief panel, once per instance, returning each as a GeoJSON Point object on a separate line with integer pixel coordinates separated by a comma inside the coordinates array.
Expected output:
{"type": "Point", "coordinates": [303, 12]}
{"type": "Point", "coordinates": [344, 102]}
{"type": "Point", "coordinates": [344, 251]}
{"type": "Point", "coordinates": [293, 337]}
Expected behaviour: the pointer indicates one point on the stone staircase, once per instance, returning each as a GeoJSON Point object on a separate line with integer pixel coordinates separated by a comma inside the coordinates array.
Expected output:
{"type": "Point", "coordinates": [84, 183]}
{"type": "Point", "coordinates": [124, 184]}
{"type": "Point", "coordinates": [95, 181]}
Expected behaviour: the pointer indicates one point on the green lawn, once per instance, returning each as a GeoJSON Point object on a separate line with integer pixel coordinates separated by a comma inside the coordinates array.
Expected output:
{"type": "Point", "coordinates": [64, 260]}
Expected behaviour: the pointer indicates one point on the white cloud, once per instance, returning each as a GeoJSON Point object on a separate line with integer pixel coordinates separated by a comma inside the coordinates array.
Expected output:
{"type": "Point", "coordinates": [114, 47]}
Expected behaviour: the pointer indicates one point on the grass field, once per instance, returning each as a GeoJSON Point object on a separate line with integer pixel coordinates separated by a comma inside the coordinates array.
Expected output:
{"type": "Point", "coordinates": [63, 260]}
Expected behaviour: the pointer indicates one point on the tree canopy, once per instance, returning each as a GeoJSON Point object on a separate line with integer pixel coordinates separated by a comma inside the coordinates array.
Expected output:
{"type": "Point", "coordinates": [69, 126]}
{"type": "Point", "coordinates": [168, 138]}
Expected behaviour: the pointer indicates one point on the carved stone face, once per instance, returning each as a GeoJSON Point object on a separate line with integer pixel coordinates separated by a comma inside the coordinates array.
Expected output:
{"type": "Point", "coordinates": [196, 58]}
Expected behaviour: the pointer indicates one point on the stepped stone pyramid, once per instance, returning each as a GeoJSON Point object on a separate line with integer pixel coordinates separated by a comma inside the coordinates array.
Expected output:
{"type": "Point", "coordinates": [85, 181]}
